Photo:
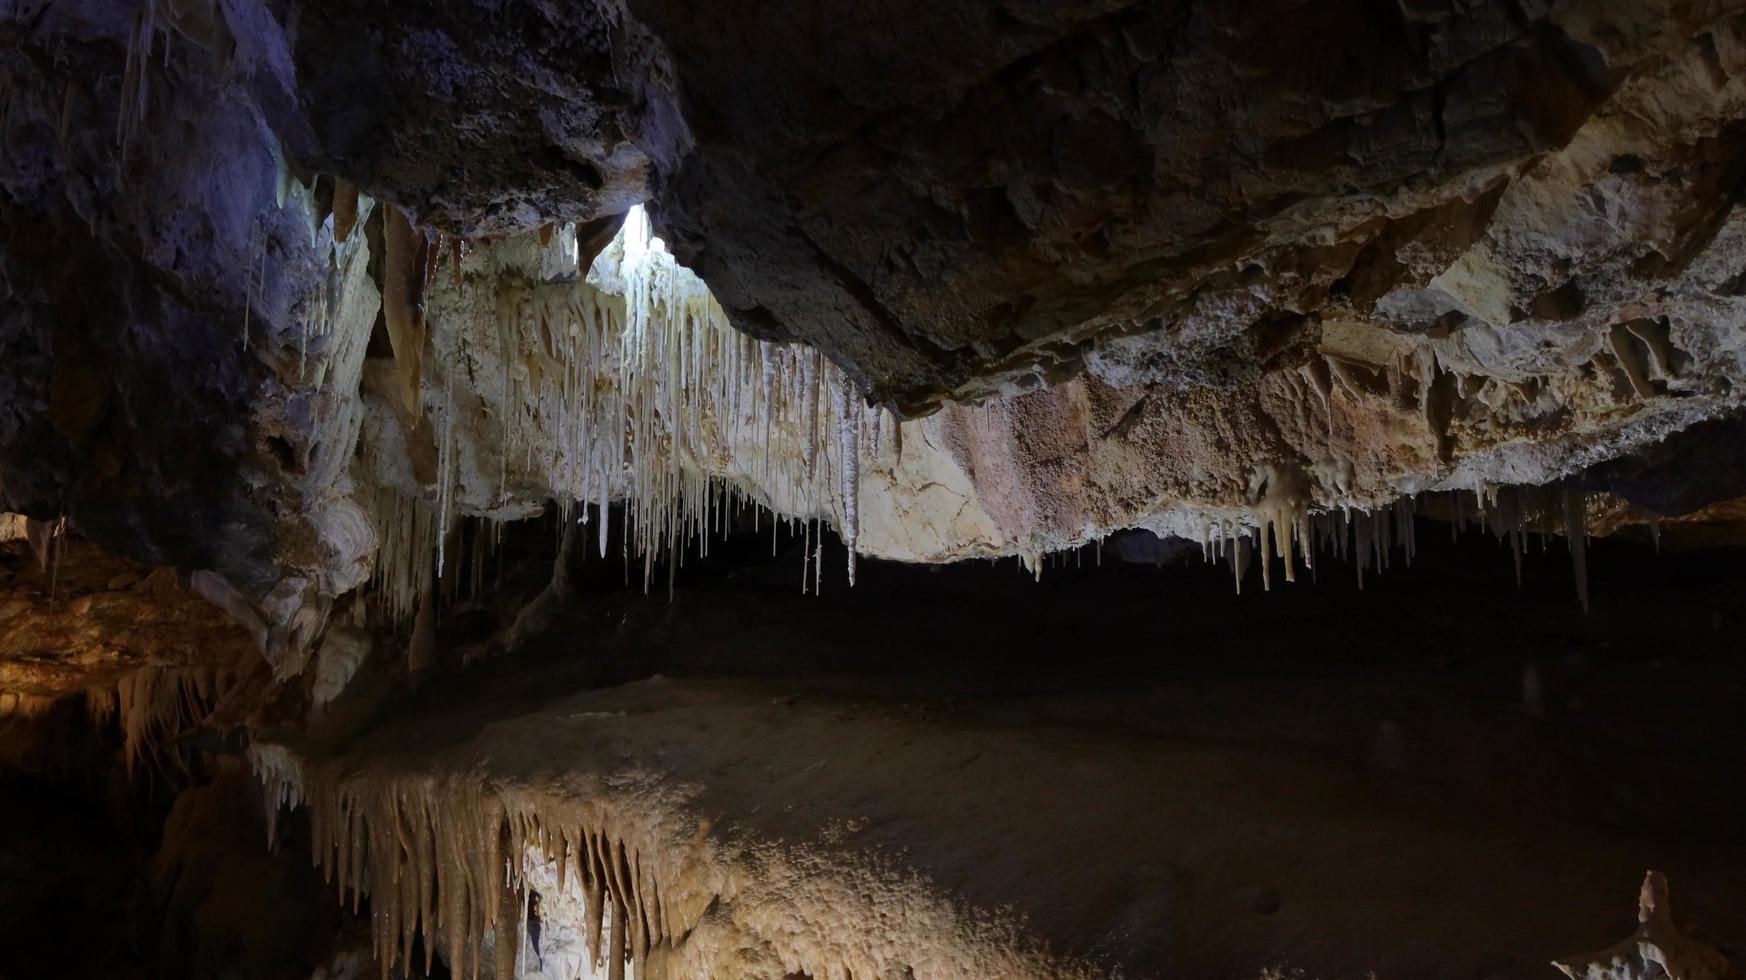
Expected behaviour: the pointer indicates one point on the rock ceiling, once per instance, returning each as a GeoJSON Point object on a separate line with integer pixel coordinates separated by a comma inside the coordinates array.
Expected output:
{"type": "Point", "coordinates": [1153, 265]}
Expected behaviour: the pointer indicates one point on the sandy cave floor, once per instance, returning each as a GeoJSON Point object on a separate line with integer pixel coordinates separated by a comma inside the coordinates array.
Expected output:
{"type": "Point", "coordinates": [1171, 779]}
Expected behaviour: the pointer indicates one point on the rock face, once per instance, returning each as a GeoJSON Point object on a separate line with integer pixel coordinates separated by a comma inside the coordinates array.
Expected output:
{"type": "Point", "coordinates": [93, 619]}
{"type": "Point", "coordinates": [481, 119]}
{"type": "Point", "coordinates": [972, 196]}
{"type": "Point", "coordinates": [995, 185]}
{"type": "Point", "coordinates": [1261, 262]}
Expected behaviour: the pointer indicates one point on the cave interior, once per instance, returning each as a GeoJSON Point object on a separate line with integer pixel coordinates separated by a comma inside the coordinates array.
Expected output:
{"type": "Point", "coordinates": [859, 490]}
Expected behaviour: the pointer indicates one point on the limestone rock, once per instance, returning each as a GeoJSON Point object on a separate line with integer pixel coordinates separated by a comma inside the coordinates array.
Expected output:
{"type": "Point", "coordinates": [1658, 949]}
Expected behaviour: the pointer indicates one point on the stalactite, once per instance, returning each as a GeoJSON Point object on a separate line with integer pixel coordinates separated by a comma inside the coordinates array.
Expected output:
{"type": "Point", "coordinates": [1369, 538]}
{"type": "Point", "coordinates": [446, 478]}
{"type": "Point", "coordinates": [27, 706]}
{"type": "Point", "coordinates": [403, 301]}
{"type": "Point", "coordinates": [1279, 497]}
{"type": "Point", "coordinates": [1633, 363]}
{"type": "Point", "coordinates": [101, 704]}
{"type": "Point", "coordinates": [1235, 550]}
{"type": "Point", "coordinates": [135, 78]}
{"type": "Point", "coordinates": [154, 705]}
{"type": "Point", "coordinates": [256, 259]}
{"type": "Point", "coordinates": [811, 380]}
{"type": "Point", "coordinates": [650, 396]}
{"type": "Point", "coordinates": [345, 209]}
{"type": "Point", "coordinates": [421, 649]}
{"type": "Point", "coordinates": [848, 411]}
{"type": "Point", "coordinates": [406, 527]}
{"type": "Point", "coordinates": [1576, 535]}
{"type": "Point", "coordinates": [1533, 695]}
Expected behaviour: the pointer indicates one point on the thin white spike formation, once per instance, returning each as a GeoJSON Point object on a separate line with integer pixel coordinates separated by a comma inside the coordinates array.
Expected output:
{"type": "Point", "coordinates": [647, 394]}
{"type": "Point", "coordinates": [1287, 529]}
{"type": "Point", "coordinates": [849, 456]}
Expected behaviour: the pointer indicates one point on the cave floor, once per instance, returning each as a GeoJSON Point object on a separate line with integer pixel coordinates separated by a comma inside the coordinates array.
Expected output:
{"type": "Point", "coordinates": [1172, 779]}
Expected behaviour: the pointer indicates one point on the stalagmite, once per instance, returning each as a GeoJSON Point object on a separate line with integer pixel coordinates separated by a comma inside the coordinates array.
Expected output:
{"type": "Point", "coordinates": [1657, 950]}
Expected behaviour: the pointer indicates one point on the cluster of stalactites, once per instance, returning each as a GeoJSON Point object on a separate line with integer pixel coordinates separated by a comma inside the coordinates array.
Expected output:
{"type": "Point", "coordinates": [652, 397]}
{"type": "Point", "coordinates": [449, 859]}
{"type": "Point", "coordinates": [157, 706]}
{"type": "Point", "coordinates": [406, 529]}
{"type": "Point", "coordinates": [425, 550]}
{"type": "Point", "coordinates": [647, 393]}
{"type": "Point", "coordinates": [1367, 538]}
{"type": "Point", "coordinates": [332, 209]}
{"type": "Point", "coordinates": [156, 709]}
